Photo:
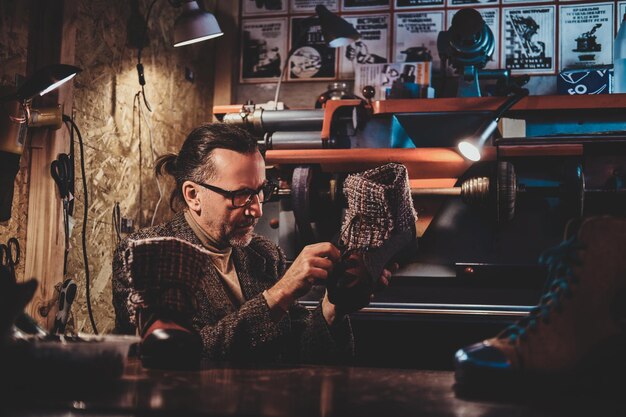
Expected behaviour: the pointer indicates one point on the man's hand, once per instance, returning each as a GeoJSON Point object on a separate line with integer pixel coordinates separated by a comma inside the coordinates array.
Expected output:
{"type": "Point", "coordinates": [357, 272]}
{"type": "Point", "coordinates": [314, 262]}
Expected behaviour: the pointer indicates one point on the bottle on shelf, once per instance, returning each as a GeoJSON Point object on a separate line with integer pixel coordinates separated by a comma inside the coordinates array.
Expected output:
{"type": "Point", "coordinates": [619, 59]}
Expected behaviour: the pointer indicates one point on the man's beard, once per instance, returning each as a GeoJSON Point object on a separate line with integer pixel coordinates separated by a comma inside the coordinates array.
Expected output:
{"type": "Point", "coordinates": [238, 239]}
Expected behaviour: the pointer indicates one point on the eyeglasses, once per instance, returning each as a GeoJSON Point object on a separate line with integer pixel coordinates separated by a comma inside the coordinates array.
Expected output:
{"type": "Point", "coordinates": [244, 197]}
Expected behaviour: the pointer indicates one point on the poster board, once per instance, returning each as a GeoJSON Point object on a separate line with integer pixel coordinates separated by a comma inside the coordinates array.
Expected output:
{"type": "Point", "coordinates": [311, 59]}
{"type": "Point", "coordinates": [263, 7]}
{"type": "Point", "coordinates": [528, 42]}
{"type": "Point", "coordinates": [308, 6]}
{"type": "Point", "coordinates": [416, 36]}
{"type": "Point", "coordinates": [586, 35]}
{"type": "Point", "coordinates": [372, 48]}
{"type": "Point", "coordinates": [263, 50]}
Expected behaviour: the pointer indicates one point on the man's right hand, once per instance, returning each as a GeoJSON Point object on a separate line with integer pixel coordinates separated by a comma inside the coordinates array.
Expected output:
{"type": "Point", "coordinates": [314, 262]}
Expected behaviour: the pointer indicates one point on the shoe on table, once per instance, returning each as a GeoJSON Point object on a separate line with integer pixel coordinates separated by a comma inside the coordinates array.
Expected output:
{"type": "Point", "coordinates": [578, 328]}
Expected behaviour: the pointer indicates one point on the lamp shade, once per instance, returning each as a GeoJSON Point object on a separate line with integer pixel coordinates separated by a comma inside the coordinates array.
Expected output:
{"type": "Point", "coordinates": [336, 31]}
{"type": "Point", "coordinates": [471, 148]}
{"type": "Point", "coordinates": [43, 81]}
{"type": "Point", "coordinates": [195, 25]}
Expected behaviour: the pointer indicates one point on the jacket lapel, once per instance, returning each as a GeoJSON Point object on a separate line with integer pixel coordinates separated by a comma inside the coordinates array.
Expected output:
{"type": "Point", "coordinates": [219, 299]}
{"type": "Point", "coordinates": [250, 267]}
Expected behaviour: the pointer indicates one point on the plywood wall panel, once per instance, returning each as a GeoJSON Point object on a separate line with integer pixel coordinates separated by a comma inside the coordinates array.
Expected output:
{"type": "Point", "coordinates": [117, 128]}
{"type": "Point", "coordinates": [13, 50]}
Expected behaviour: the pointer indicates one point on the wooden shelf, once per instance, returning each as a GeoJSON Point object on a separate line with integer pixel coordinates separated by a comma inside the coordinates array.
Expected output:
{"type": "Point", "coordinates": [598, 102]}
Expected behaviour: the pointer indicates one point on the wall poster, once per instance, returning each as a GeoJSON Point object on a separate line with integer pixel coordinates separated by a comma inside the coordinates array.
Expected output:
{"type": "Point", "coordinates": [259, 7]}
{"type": "Point", "coordinates": [308, 6]}
{"type": "Point", "coordinates": [263, 49]}
{"type": "Point", "coordinates": [586, 35]}
{"type": "Point", "coordinates": [403, 4]}
{"type": "Point", "coordinates": [372, 48]}
{"type": "Point", "coordinates": [416, 36]}
{"type": "Point", "coordinates": [363, 5]}
{"type": "Point", "coordinates": [382, 76]}
{"type": "Point", "coordinates": [311, 59]}
{"type": "Point", "coordinates": [470, 3]}
{"type": "Point", "coordinates": [492, 19]}
{"type": "Point", "coordinates": [528, 39]}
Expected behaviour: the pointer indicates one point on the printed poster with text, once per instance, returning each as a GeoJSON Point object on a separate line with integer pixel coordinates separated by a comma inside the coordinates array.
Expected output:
{"type": "Point", "coordinates": [372, 48]}
{"type": "Point", "coordinates": [528, 39]}
{"type": "Point", "coordinates": [492, 19]}
{"type": "Point", "coordinates": [416, 36]}
{"type": "Point", "coordinates": [263, 49]}
{"type": "Point", "coordinates": [364, 5]}
{"type": "Point", "coordinates": [382, 76]}
{"type": "Point", "coordinates": [308, 6]}
{"type": "Point", "coordinates": [405, 4]}
{"type": "Point", "coordinates": [468, 3]}
{"type": "Point", "coordinates": [311, 59]}
{"type": "Point", "coordinates": [259, 7]}
{"type": "Point", "coordinates": [586, 35]}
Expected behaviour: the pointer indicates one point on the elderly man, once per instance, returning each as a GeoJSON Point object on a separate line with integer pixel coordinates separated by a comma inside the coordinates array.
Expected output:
{"type": "Point", "coordinates": [247, 308]}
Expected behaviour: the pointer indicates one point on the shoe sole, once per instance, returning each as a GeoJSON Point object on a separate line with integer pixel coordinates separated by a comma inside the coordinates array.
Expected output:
{"type": "Point", "coordinates": [602, 371]}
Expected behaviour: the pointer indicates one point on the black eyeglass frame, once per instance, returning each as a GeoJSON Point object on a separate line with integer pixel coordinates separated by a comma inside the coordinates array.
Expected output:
{"type": "Point", "coordinates": [267, 196]}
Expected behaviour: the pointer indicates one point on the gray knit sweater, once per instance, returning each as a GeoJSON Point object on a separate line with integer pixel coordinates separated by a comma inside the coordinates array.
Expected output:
{"type": "Point", "coordinates": [246, 333]}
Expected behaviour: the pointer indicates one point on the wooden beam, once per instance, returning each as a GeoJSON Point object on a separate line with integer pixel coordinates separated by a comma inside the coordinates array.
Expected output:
{"type": "Point", "coordinates": [226, 52]}
{"type": "Point", "coordinates": [51, 40]}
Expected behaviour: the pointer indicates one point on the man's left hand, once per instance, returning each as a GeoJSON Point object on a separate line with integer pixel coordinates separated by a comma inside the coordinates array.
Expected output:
{"type": "Point", "coordinates": [355, 273]}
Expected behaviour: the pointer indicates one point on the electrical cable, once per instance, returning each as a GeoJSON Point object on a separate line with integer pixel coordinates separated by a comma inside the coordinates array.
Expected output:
{"type": "Point", "coordinates": [136, 110]}
{"type": "Point", "coordinates": [153, 153]}
{"type": "Point", "coordinates": [69, 120]}
{"type": "Point", "coordinates": [117, 222]}
{"type": "Point", "coordinates": [140, 73]}
{"type": "Point", "coordinates": [304, 26]}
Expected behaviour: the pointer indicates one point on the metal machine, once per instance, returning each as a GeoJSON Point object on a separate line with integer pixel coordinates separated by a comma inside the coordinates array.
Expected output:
{"type": "Point", "coordinates": [481, 227]}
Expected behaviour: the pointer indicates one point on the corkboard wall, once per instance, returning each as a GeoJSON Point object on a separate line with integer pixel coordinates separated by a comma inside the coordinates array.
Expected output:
{"type": "Point", "coordinates": [121, 137]}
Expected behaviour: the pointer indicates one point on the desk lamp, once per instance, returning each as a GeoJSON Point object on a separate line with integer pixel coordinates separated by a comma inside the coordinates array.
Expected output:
{"type": "Point", "coordinates": [194, 25]}
{"type": "Point", "coordinates": [336, 31]}
{"type": "Point", "coordinates": [13, 128]}
{"type": "Point", "coordinates": [471, 147]}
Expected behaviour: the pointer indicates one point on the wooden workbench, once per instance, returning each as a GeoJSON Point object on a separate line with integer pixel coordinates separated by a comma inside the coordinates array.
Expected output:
{"type": "Point", "coordinates": [304, 391]}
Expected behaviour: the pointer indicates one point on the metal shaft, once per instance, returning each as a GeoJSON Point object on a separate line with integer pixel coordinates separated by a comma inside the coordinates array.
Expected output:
{"type": "Point", "coordinates": [294, 140]}
{"type": "Point", "coordinates": [264, 121]}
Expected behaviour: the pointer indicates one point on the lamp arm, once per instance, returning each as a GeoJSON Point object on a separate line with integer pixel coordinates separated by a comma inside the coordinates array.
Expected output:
{"type": "Point", "coordinates": [304, 25]}
{"type": "Point", "coordinates": [506, 106]}
{"type": "Point", "coordinates": [486, 129]}
{"type": "Point", "coordinates": [282, 74]}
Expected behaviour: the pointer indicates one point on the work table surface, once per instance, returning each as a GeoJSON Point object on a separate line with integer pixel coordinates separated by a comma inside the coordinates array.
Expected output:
{"type": "Point", "coordinates": [281, 390]}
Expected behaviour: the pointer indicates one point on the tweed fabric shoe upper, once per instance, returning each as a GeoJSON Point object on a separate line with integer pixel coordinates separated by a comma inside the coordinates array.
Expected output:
{"type": "Point", "coordinates": [379, 203]}
{"type": "Point", "coordinates": [379, 225]}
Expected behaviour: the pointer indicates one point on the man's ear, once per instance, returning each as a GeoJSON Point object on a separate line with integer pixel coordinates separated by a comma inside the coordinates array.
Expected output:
{"type": "Point", "coordinates": [191, 195]}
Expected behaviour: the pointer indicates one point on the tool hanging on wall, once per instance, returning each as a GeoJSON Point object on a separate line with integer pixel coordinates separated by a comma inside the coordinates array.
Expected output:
{"type": "Point", "coordinates": [66, 298]}
{"type": "Point", "coordinates": [10, 256]}
{"type": "Point", "coordinates": [62, 171]}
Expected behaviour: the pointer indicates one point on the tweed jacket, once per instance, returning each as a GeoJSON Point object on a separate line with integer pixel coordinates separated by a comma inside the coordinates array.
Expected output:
{"type": "Point", "coordinates": [246, 332]}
